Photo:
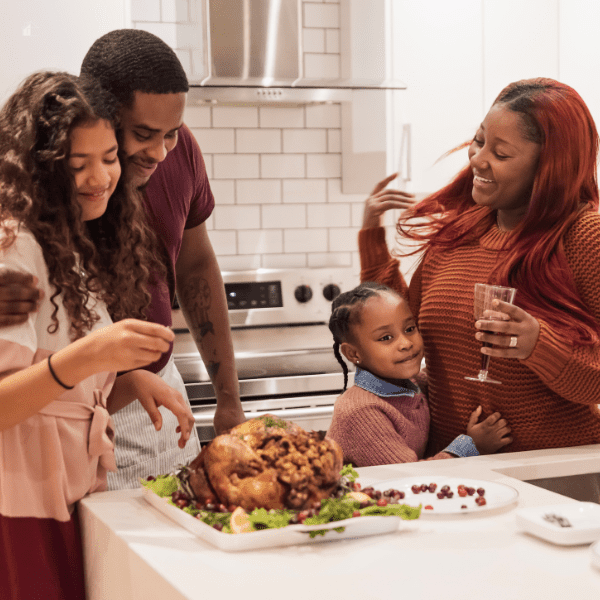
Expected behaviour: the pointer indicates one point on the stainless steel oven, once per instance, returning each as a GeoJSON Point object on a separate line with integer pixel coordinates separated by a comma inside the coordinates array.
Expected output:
{"type": "Point", "coordinates": [283, 347]}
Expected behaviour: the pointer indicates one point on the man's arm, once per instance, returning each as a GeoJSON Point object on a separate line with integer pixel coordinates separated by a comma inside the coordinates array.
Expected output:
{"type": "Point", "coordinates": [18, 297]}
{"type": "Point", "coordinates": [201, 295]}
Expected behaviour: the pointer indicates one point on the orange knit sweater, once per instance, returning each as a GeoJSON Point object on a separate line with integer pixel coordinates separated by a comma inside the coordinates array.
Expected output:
{"type": "Point", "coordinates": [550, 399]}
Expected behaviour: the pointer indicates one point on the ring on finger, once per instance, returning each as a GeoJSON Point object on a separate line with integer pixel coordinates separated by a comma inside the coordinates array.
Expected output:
{"type": "Point", "coordinates": [513, 341]}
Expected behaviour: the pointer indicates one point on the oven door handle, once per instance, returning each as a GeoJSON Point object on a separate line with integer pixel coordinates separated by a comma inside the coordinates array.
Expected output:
{"type": "Point", "coordinates": [289, 414]}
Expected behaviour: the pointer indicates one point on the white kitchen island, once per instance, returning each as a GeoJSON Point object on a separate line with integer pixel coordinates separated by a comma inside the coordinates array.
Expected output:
{"type": "Point", "coordinates": [134, 552]}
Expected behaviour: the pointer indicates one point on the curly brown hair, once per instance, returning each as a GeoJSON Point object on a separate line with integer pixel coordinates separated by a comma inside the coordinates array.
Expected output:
{"type": "Point", "coordinates": [112, 257]}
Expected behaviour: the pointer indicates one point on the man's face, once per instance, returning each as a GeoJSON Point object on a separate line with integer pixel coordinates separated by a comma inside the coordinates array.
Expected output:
{"type": "Point", "coordinates": [149, 130]}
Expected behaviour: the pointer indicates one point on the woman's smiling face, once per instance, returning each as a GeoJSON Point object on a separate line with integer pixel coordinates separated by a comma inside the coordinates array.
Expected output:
{"type": "Point", "coordinates": [503, 161]}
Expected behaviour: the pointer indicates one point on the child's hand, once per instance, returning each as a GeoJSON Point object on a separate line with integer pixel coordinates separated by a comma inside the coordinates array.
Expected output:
{"type": "Point", "coordinates": [489, 435]}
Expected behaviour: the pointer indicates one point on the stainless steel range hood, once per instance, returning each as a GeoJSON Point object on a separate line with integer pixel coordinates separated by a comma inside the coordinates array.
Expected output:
{"type": "Point", "coordinates": [253, 53]}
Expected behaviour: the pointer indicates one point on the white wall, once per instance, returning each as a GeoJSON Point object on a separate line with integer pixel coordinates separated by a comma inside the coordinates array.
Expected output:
{"type": "Point", "coordinates": [51, 34]}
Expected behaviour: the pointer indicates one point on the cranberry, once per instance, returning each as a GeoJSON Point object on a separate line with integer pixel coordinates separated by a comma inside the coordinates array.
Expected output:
{"type": "Point", "coordinates": [424, 487]}
{"type": "Point", "coordinates": [382, 502]}
{"type": "Point", "coordinates": [449, 494]}
{"type": "Point", "coordinates": [209, 506]}
{"type": "Point", "coordinates": [218, 526]}
{"type": "Point", "coordinates": [182, 503]}
{"type": "Point", "coordinates": [481, 501]}
{"type": "Point", "coordinates": [231, 508]}
{"type": "Point", "coordinates": [462, 492]}
{"type": "Point", "coordinates": [432, 487]}
{"type": "Point", "coordinates": [369, 491]}
{"type": "Point", "coordinates": [470, 491]}
{"type": "Point", "coordinates": [481, 491]}
{"type": "Point", "coordinates": [441, 495]}
{"type": "Point", "coordinates": [150, 478]}
{"type": "Point", "coordinates": [302, 516]}
{"type": "Point", "coordinates": [445, 488]}
{"type": "Point", "coordinates": [428, 507]}
{"type": "Point", "coordinates": [355, 486]}
{"type": "Point", "coordinates": [222, 508]}
{"type": "Point", "coordinates": [377, 494]}
{"type": "Point", "coordinates": [356, 513]}
{"type": "Point", "coordinates": [464, 506]}
{"type": "Point", "coordinates": [400, 495]}
{"type": "Point", "coordinates": [415, 489]}
{"type": "Point", "coordinates": [388, 493]}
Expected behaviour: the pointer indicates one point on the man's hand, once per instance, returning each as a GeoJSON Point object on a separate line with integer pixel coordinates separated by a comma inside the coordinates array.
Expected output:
{"type": "Point", "coordinates": [228, 416]}
{"type": "Point", "coordinates": [18, 297]}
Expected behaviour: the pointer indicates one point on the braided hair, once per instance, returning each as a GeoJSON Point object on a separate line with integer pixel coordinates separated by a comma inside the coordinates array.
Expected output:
{"type": "Point", "coordinates": [126, 61]}
{"type": "Point", "coordinates": [345, 312]}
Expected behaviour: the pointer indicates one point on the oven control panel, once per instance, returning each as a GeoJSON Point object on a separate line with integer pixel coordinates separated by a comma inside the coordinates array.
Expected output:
{"type": "Point", "coordinates": [253, 295]}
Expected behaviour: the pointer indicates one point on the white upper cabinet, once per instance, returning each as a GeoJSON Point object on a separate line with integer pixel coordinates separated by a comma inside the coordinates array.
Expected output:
{"type": "Point", "coordinates": [52, 34]}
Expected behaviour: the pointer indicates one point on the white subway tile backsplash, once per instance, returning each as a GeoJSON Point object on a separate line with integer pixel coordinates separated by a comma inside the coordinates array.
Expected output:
{"type": "Point", "coordinates": [305, 240]}
{"type": "Point", "coordinates": [237, 217]}
{"type": "Point", "coordinates": [258, 140]}
{"type": "Point", "coordinates": [258, 191]}
{"type": "Point", "coordinates": [284, 261]}
{"type": "Point", "coordinates": [282, 165]}
{"type": "Point", "coordinates": [332, 41]}
{"type": "Point", "coordinates": [323, 165]}
{"type": "Point", "coordinates": [239, 263]}
{"type": "Point", "coordinates": [223, 242]}
{"type": "Point", "coordinates": [304, 140]}
{"type": "Point", "coordinates": [324, 115]}
{"type": "Point", "coordinates": [275, 171]}
{"type": "Point", "coordinates": [305, 190]}
{"type": "Point", "coordinates": [322, 66]}
{"type": "Point", "coordinates": [313, 40]}
{"type": "Point", "coordinates": [278, 216]}
{"type": "Point", "coordinates": [275, 116]}
{"type": "Point", "coordinates": [318, 260]}
{"type": "Point", "coordinates": [235, 116]}
{"type": "Point", "coordinates": [265, 241]}
{"type": "Point", "coordinates": [197, 116]}
{"type": "Point", "coordinates": [236, 166]}
{"type": "Point", "coordinates": [223, 190]}
{"type": "Point", "coordinates": [343, 239]}
{"type": "Point", "coordinates": [215, 141]}
{"type": "Point", "coordinates": [208, 163]}
{"type": "Point", "coordinates": [328, 215]}
{"type": "Point", "coordinates": [145, 10]}
{"type": "Point", "coordinates": [334, 192]}
{"type": "Point", "coordinates": [334, 140]}
{"type": "Point", "coordinates": [321, 15]}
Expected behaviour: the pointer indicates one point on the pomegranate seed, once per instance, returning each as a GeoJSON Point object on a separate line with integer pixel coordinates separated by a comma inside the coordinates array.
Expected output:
{"type": "Point", "coordinates": [382, 502]}
{"type": "Point", "coordinates": [356, 513]}
{"type": "Point", "coordinates": [462, 493]}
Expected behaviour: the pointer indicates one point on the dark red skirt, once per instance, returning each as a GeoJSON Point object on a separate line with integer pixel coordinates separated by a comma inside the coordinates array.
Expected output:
{"type": "Point", "coordinates": [41, 559]}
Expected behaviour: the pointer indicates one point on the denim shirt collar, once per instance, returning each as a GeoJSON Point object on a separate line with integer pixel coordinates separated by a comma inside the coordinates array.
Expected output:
{"type": "Point", "coordinates": [384, 389]}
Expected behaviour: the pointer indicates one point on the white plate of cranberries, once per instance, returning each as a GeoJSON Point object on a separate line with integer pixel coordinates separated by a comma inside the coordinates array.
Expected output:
{"type": "Point", "coordinates": [449, 495]}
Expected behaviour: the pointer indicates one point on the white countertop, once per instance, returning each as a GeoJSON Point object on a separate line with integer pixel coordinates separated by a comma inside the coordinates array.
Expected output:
{"type": "Point", "coordinates": [134, 552]}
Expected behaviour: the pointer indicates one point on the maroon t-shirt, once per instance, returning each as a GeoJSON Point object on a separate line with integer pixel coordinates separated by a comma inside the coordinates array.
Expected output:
{"type": "Point", "coordinates": [177, 197]}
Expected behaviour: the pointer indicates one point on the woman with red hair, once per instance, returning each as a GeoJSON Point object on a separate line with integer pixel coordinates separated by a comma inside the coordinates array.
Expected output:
{"type": "Point", "coordinates": [524, 214]}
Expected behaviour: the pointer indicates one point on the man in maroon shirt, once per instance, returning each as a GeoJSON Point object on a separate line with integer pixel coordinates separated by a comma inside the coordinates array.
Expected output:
{"type": "Point", "coordinates": [160, 156]}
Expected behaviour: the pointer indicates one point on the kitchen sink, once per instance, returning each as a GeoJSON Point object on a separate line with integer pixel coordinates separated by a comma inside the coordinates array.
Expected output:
{"type": "Point", "coordinates": [584, 487]}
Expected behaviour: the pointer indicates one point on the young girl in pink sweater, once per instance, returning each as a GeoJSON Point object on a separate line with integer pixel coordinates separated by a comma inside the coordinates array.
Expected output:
{"type": "Point", "coordinates": [384, 417]}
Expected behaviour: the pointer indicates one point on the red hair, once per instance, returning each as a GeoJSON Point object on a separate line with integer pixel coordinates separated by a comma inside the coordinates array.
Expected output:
{"type": "Point", "coordinates": [565, 184]}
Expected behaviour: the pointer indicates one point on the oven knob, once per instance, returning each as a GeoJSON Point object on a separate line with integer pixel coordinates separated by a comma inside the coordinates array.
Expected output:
{"type": "Point", "coordinates": [303, 293]}
{"type": "Point", "coordinates": [331, 292]}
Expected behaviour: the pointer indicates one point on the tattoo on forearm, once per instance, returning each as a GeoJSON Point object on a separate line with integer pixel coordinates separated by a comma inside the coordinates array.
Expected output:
{"type": "Point", "coordinates": [196, 297]}
{"type": "Point", "coordinates": [212, 368]}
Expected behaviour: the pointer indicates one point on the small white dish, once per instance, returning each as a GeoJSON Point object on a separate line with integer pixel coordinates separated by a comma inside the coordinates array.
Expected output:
{"type": "Point", "coordinates": [563, 524]}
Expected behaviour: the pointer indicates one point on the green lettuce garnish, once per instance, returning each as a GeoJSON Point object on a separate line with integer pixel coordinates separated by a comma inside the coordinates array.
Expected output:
{"type": "Point", "coordinates": [162, 485]}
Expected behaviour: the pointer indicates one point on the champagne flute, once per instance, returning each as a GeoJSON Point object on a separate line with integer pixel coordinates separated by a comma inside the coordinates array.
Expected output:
{"type": "Point", "coordinates": [484, 296]}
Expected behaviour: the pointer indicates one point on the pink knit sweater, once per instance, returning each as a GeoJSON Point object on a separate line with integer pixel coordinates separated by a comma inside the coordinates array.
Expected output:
{"type": "Point", "coordinates": [376, 431]}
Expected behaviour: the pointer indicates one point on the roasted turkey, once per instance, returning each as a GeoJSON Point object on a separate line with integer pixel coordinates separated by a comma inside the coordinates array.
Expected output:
{"type": "Point", "coordinates": [267, 463]}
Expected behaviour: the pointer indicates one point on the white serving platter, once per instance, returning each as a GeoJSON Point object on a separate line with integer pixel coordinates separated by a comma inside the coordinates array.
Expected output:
{"type": "Point", "coordinates": [497, 495]}
{"type": "Point", "coordinates": [270, 538]}
{"type": "Point", "coordinates": [563, 524]}
{"type": "Point", "coordinates": [595, 552]}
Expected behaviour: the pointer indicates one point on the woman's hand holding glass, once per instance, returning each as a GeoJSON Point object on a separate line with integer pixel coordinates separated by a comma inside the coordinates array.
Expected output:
{"type": "Point", "coordinates": [519, 330]}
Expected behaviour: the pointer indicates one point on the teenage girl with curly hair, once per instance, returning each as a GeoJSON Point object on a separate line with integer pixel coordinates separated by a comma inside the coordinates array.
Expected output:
{"type": "Point", "coordinates": [68, 222]}
{"type": "Point", "coordinates": [524, 214]}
